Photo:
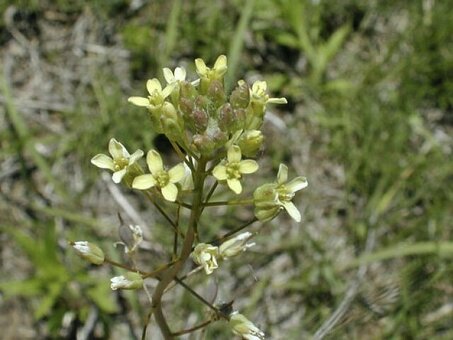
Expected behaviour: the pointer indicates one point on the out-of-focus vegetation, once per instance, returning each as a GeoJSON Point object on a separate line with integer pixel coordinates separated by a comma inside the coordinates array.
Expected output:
{"type": "Point", "coordinates": [369, 122]}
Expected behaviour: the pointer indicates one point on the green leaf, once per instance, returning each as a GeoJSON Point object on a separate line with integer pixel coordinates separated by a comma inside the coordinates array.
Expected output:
{"type": "Point", "coordinates": [101, 295]}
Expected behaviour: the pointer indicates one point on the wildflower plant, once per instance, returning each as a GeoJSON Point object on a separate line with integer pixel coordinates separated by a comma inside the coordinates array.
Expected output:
{"type": "Point", "coordinates": [217, 137]}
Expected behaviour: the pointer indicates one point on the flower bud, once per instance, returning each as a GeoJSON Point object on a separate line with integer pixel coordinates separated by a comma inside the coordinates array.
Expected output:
{"type": "Point", "coordinates": [206, 255]}
{"type": "Point", "coordinates": [127, 281]}
{"type": "Point", "coordinates": [204, 144]}
{"type": "Point", "coordinates": [172, 124]}
{"type": "Point", "coordinates": [250, 142]}
{"type": "Point", "coordinates": [243, 327]}
{"type": "Point", "coordinates": [216, 92]}
{"type": "Point", "coordinates": [235, 245]}
{"type": "Point", "coordinates": [89, 251]}
{"type": "Point", "coordinates": [240, 97]}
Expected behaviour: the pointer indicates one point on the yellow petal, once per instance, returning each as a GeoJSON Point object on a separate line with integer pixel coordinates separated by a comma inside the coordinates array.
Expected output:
{"type": "Point", "coordinates": [177, 173]}
{"type": "Point", "coordinates": [219, 172]}
{"type": "Point", "coordinates": [117, 150]}
{"type": "Point", "coordinates": [297, 184]}
{"type": "Point", "coordinates": [139, 101]}
{"type": "Point", "coordinates": [168, 75]}
{"type": "Point", "coordinates": [154, 162]}
{"type": "Point", "coordinates": [170, 192]}
{"type": "Point", "coordinates": [235, 185]}
{"type": "Point", "coordinates": [234, 154]}
{"type": "Point", "coordinates": [103, 161]}
{"type": "Point", "coordinates": [201, 66]}
{"type": "Point", "coordinates": [282, 175]}
{"type": "Point", "coordinates": [248, 166]}
{"type": "Point", "coordinates": [292, 211]}
{"type": "Point", "coordinates": [143, 182]}
{"type": "Point", "coordinates": [153, 85]}
{"type": "Point", "coordinates": [118, 175]}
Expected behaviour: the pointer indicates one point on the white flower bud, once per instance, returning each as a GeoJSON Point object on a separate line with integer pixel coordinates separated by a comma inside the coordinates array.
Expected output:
{"type": "Point", "coordinates": [236, 245]}
{"type": "Point", "coordinates": [127, 281]}
{"type": "Point", "coordinates": [244, 327]}
{"type": "Point", "coordinates": [89, 251]}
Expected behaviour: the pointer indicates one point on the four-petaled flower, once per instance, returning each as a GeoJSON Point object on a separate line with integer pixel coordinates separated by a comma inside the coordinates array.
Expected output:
{"type": "Point", "coordinates": [165, 180]}
{"type": "Point", "coordinates": [120, 161]}
{"type": "Point", "coordinates": [205, 255]}
{"type": "Point", "coordinates": [217, 72]}
{"type": "Point", "coordinates": [233, 168]}
{"type": "Point", "coordinates": [286, 191]}
{"type": "Point", "coordinates": [173, 78]}
{"type": "Point", "coordinates": [243, 327]}
{"type": "Point", "coordinates": [156, 96]}
{"type": "Point", "coordinates": [259, 95]}
{"type": "Point", "coordinates": [270, 198]}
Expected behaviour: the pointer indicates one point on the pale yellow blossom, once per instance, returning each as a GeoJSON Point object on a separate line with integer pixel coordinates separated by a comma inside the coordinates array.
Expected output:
{"type": "Point", "coordinates": [159, 177]}
{"type": "Point", "coordinates": [232, 169]}
{"type": "Point", "coordinates": [120, 161]}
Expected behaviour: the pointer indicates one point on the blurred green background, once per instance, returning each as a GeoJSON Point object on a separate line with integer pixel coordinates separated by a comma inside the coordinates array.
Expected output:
{"type": "Point", "coordinates": [369, 122]}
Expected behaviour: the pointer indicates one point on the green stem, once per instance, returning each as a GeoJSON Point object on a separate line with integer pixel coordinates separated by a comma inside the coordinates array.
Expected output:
{"type": "Point", "coordinates": [214, 204]}
{"type": "Point", "coordinates": [193, 329]}
{"type": "Point", "coordinates": [163, 213]}
{"type": "Point", "coordinates": [171, 273]}
{"type": "Point", "coordinates": [232, 232]}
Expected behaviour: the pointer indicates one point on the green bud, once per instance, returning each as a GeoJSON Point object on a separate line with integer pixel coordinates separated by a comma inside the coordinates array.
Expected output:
{"type": "Point", "coordinates": [240, 97]}
{"type": "Point", "coordinates": [204, 144]}
{"type": "Point", "coordinates": [216, 92]}
{"type": "Point", "coordinates": [226, 117]}
{"type": "Point", "coordinates": [172, 123]}
{"type": "Point", "coordinates": [89, 251]}
{"type": "Point", "coordinates": [250, 142]}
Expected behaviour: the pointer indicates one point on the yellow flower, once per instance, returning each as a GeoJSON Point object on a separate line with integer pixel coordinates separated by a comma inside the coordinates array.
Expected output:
{"type": "Point", "coordinates": [217, 72]}
{"type": "Point", "coordinates": [233, 168]}
{"type": "Point", "coordinates": [258, 94]}
{"type": "Point", "coordinates": [286, 191]}
{"type": "Point", "coordinates": [243, 327]}
{"type": "Point", "coordinates": [165, 180]}
{"type": "Point", "coordinates": [270, 198]}
{"type": "Point", "coordinates": [156, 97]}
{"type": "Point", "coordinates": [120, 161]}
{"type": "Point", "coordinates": [206, 255]}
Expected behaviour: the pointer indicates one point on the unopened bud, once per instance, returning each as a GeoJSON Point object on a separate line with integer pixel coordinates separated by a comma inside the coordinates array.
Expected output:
{"type": "Point", "coordinates": [216, 92]}
{"type": "Point", "coordinates": [127, 281]}
{"type": "Point", "coordinates": [89, 251]}
{"type": "Point", "coordinates": [240, 97]}
{"type": "Point", "coordinates": [236, 245]}
{"type": "Point", "coordinates": [250, 142]}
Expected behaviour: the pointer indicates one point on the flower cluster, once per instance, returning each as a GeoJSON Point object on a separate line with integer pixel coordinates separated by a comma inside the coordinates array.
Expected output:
{"type": "Point", "coordinates": [217, 136]}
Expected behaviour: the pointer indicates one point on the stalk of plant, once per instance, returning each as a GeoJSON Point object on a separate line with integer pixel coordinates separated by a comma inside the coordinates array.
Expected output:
{"type": "Point", "coordinates": [217, 137]}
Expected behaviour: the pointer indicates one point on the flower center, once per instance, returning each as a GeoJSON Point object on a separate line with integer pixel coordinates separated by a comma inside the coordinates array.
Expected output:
{"type": "Point", "coordinates": [284, 195]}
{"type": "Point", "coordinates": [120, 163]}
{"type": "Point", "coordinates": [162, 178]}
{"type": "Point", "coordinates": [232, 170]}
